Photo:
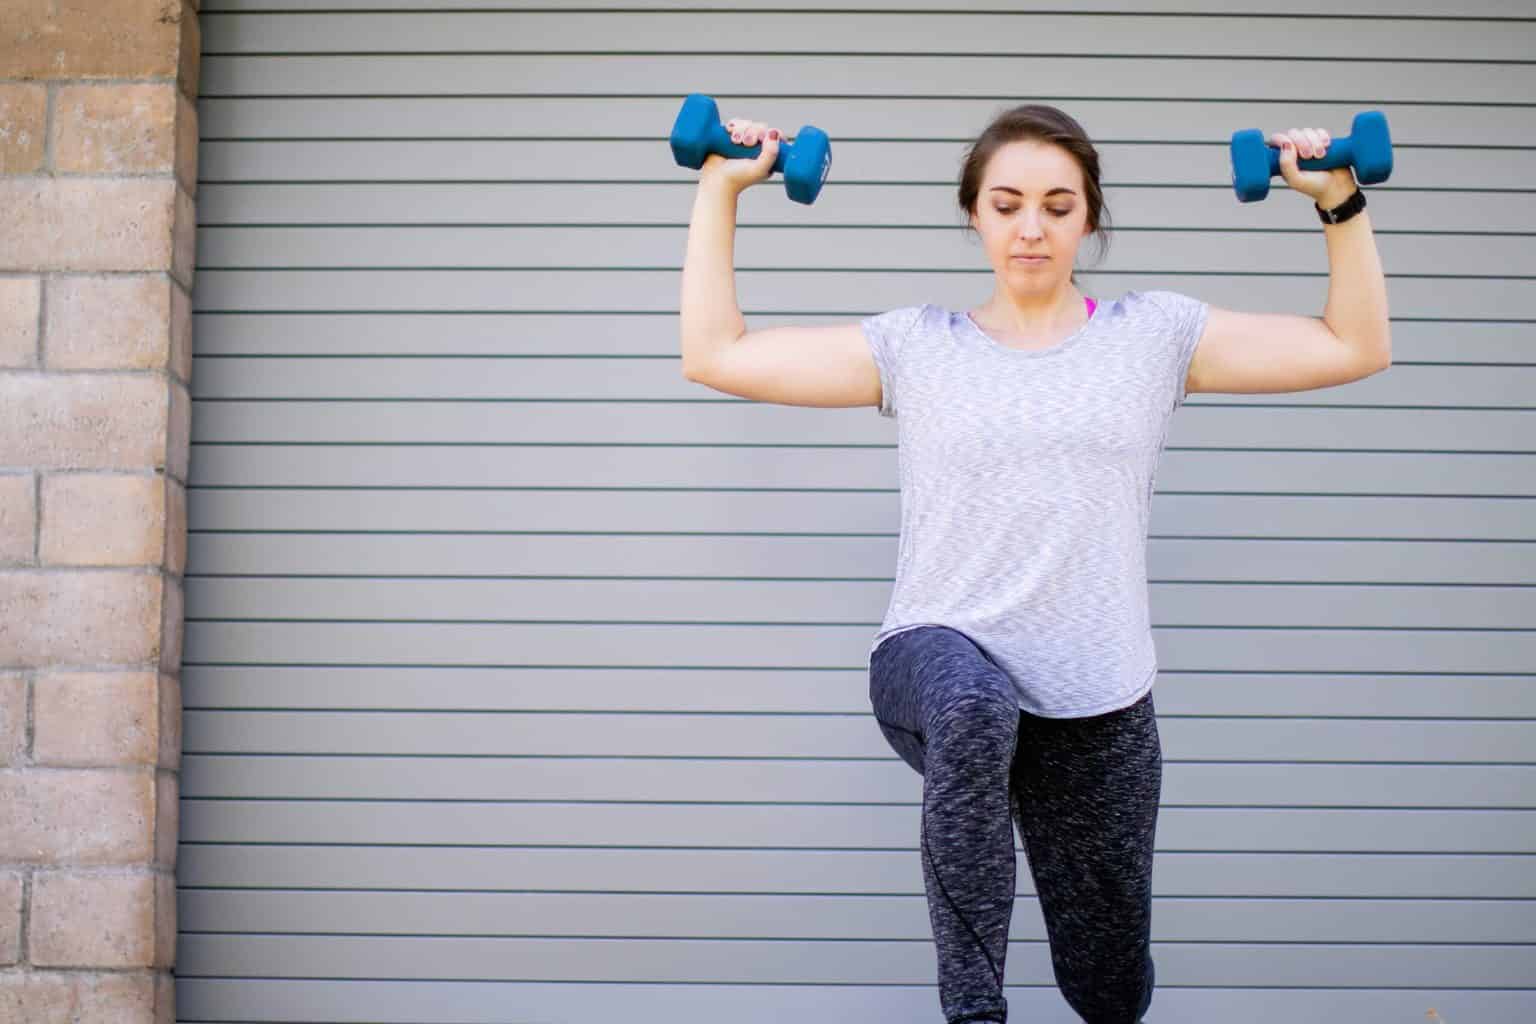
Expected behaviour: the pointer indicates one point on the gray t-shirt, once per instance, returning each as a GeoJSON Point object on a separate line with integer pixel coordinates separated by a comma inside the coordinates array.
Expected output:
{"type": "Point", "coordinates": [1026, 481]}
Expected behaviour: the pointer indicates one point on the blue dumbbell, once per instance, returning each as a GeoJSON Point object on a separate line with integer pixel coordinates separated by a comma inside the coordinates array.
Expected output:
{"type": "Point", "coordinates": [697, 132]}
{"type": "Point", "coordinates": [1368, 149]}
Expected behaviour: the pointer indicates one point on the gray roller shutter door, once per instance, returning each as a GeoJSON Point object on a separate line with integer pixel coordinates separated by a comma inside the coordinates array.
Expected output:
{"type": "Point", "coordinates": [525, 679]}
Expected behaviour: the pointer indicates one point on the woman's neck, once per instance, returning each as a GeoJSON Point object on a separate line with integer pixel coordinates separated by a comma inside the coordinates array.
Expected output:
{"type": "Point", "coordinates": [1031, 316]}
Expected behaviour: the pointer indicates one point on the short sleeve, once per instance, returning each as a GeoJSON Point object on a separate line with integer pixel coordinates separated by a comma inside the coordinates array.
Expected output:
{"type": "Point", "coordinates": [1186, 322]}
{"type": "Point", "coordinates": [885, 333]}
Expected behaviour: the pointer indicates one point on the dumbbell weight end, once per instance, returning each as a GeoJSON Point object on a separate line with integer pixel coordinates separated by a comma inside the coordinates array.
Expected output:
{"type": "Point", "coordinates": [804, 163]}
{"type": "Point", "coordinates": [1368, 149]}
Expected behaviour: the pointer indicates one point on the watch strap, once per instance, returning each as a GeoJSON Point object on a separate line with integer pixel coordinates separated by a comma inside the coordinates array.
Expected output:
{"type": "Point", "coordinates": [1345, 210]}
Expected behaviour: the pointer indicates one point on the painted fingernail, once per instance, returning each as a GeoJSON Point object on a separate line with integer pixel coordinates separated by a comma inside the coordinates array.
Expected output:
{"type": "Point", "coordinates": [774, 135]}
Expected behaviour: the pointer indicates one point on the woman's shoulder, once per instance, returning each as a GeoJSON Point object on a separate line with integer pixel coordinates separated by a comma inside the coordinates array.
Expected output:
{"type": "Point", "coordinates": [1153, 303]}
{"type": "Point", "coordinates": [1139, 296]}
{"type": "Point", "coordinates": [925, 317]}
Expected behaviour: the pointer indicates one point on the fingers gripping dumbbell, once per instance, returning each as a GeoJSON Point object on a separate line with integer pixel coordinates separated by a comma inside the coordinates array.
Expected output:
{"type": "Point", "coordinates": [1368, 149]}
{"type": "Point", "coordinates": [697, 132]}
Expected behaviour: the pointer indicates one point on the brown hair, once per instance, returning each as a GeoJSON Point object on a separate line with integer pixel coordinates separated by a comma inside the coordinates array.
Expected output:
{"type": "Point", "coordinates": [1043, 123]}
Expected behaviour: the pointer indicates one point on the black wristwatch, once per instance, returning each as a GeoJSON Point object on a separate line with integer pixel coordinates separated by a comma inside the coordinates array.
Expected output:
{"type": "Point", "coordinates": [1345, 210]}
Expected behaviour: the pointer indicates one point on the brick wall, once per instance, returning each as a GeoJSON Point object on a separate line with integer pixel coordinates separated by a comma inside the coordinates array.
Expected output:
{"type": "Point", "coordinates": [98, 152]}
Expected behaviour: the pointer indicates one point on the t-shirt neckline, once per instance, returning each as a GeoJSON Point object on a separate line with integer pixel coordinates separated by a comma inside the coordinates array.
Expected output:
{"type": "Point", "coordinates": [1064, 343]}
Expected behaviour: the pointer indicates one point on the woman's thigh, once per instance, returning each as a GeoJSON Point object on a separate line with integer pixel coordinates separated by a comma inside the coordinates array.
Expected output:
{"type": "Point", "coordinates": [934, 679]}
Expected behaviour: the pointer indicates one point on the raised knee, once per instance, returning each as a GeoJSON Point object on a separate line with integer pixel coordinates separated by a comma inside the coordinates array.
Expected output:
{"type": "Point", "coordinates": [982, 724]}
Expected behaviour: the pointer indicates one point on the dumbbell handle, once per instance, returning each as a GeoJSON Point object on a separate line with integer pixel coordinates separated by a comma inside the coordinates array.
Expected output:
{"type": "Point", "coordinates": [719, 141]}
{"type": "Point", "coordinates": [1340, 153]}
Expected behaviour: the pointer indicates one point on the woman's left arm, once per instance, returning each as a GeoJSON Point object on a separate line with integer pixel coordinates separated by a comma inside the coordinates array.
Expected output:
{"type": "Point", "coordinates": [1271, 352]}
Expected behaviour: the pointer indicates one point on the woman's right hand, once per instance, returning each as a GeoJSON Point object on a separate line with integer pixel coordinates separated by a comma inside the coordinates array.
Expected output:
{"type": "Point", "coordinates": [739, 173]}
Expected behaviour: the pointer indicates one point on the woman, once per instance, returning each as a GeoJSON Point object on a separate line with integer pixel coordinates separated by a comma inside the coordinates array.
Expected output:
{"type": "Point", "coordinates": [1014, 666]}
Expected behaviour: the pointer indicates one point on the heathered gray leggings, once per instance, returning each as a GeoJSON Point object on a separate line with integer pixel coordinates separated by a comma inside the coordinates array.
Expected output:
{"type": "Point", "coordinates": [1084, 792]}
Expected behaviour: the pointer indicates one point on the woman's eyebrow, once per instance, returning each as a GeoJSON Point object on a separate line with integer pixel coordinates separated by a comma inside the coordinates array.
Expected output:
{"type": "Point", "coordinates": [1052, 192]}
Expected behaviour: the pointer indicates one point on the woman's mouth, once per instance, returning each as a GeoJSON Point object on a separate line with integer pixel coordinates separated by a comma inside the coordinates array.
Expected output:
{"type": "Point", "coordinates": [1029, 259]}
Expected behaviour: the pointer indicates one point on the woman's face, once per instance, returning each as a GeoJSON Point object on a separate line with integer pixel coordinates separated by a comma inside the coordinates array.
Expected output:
{"type": "Point", "coordinates": [1032, 203]}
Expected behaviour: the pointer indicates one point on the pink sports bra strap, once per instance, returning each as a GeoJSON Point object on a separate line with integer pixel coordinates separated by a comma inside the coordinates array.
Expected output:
{"type": "Point", "coordinates": [1091, 304]}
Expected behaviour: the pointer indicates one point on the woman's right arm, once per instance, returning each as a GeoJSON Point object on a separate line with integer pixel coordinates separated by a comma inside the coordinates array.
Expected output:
{"type": "Point", "coordinates": [820, 366]}
{"type": "Point", "coordinates": [710, 315]}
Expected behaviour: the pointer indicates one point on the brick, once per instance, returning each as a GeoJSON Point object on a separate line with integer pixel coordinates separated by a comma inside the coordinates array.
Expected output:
{"type": "Point", "coordinates": [184, 239]}
{"type": "Point", "coordinates": [80, 617]}
{"type": "Point", "coordinates": [102, 519]}
{"type": "Point", "coordinates": [83, 816]}
{"type": "Point", "coordinates": [79, 997]}
{"type": "Point", "coordinates": [13, 717]}
{"type": "Point", "coordinates": [187, 137]}
{"type": "Point", "coordinates": [88, 224]}
{"type": "Point", "coordinates": [181, 333]}
{"type": "Point", "coordinates": [178, 428]}
{"type": "Point", "coordinates": [18, 518]}
{"type": "Point", "coordinates": [127, 128]}
{"type": "Point", "coordinates": [170, 723]}
{"type": "Point", "coordinates": [10, 919]}
{"type": "Point", "coordinates": [172, 623]}
{"type": "Point", "coordinates": [175, 527]}
{"type": "Point", "coordinates": [110, 323]}
{"type": "Point", "coordinates": [167, 819]}
{"type": "Point", "coordinates": [165, 920]}
{"type": "Point", "coordinates": [23, 127]}
{"type": "Point", "coordinates": [51, 39]}
{"type": "Point", "coordinates": [190, 66]}
{"type": "Point", "coordinates": [96, 718]}
{"type": "Point", "coordinates": [92, 920]}
{"type": "Point", "coordinates": [20, 300]}
{"type": "Point", "coordinates": [84, 421]}
{"type": "Point", "coordinates": [165, 998]}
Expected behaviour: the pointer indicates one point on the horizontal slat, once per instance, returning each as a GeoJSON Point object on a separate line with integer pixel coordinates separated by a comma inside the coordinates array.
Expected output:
{"type": "Point", "coordinates": [481, 734]}
{"type": "Point", "coordinates": [875, 872]}
{"type": "Point", "coordinates": [1297, 80]}
{"type": "Point", "coordinates": [1172, 604]}
{"type": "Point", "coordinates": [1206, 560]}
{"type": "Point", "coordinates": [206, 1000]}
{"type": "Point", "coordinates": [1363, 8]}
{"type": "Point", "coordinates": [851, 917]}
{"type": "Point", "coordinates": [821, 690]}
{"type": "Point", "coordinates": [1173, 515]}
{"type": "Point", "coordinates": [854, 163]}
{"type": "Point", "coordinates": [847, 293]}
{"type": "Point", "coordinates": [803, 34]}
{"type": "Point", "coordinates": [819, 919]}
{"type": "Point", "coordinates": [620, 334]}
{"type": "Point", "coordinates": [829, 962]}
{"type": "Point", "coordinates": [551, 379]}
{"type": "Point", "coordinates": [767, 645]}
{"type": "Point", "coordinates": [607, 247]}
{"type": "Point", "coordinates": [1207, 118]}
{"type": "Point", "coordinates": [1139, 207]}
{"type": "Point", "coordinates": [759, 782]}
{"type": "Point", "coordinates": [864, 827]}
{"type": "Point", "coordinates": [618, 466]}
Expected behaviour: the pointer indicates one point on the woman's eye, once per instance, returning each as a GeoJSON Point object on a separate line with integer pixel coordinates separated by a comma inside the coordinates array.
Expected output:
{"type": "Point", "coordinates": [1009, 209]}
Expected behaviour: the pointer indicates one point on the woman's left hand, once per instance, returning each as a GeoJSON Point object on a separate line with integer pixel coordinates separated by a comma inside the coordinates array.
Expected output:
{"type": "Point", "coordinates": [1326, 188]}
